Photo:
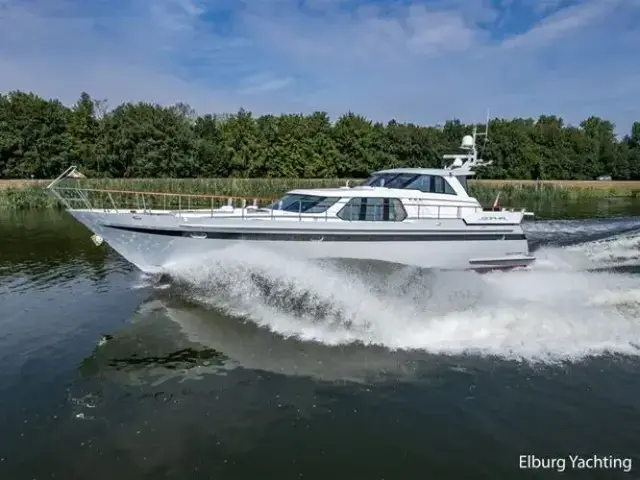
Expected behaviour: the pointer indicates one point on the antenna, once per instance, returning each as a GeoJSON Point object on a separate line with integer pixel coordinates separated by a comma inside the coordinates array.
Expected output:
{"type": "Point", "coordinates": [484, 134]}
{"type": "Point", "coordinates": [468, 160]}
{"type": "Point", "coordinates": [486, 131]}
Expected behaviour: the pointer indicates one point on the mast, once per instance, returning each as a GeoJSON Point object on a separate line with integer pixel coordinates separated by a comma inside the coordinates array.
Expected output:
{"type": "Point", "coordinates": [469, 159]}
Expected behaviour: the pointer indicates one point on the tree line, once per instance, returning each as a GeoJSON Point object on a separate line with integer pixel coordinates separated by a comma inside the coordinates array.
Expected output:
{"type": "Point", "coordinates": [40, 137]}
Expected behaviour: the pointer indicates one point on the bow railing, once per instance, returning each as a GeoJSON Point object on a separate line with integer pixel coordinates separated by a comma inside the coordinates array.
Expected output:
{"type": "Point", "coordinates": [142, 201]}
{"type": "Point", "coordinates": [162, 203]}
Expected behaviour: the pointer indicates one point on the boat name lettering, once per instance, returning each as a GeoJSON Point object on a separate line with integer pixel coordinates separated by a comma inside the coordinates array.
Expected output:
{"type": "Point", "coordinates": [488, 219]}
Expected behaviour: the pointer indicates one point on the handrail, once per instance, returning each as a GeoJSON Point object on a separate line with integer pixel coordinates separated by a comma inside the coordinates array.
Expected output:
{"type": "Point", "coordinates": [61, 177]}
{"type": "Point", "coordinates": [168, 194]}
{"type": "Point", "coordinates": [146, 204]}
{"type": "Point", "coordinates": [235, 209]}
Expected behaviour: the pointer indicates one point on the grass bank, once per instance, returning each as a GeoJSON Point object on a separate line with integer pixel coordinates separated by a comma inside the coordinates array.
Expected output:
{"type": "Point", "coordinates": [31, 194]}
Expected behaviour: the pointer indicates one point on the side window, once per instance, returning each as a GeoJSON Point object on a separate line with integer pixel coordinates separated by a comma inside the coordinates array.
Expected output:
{"type": "Point", "coordinates": [401, 181]}
{"type": "Point", "coordinates": [362, 209]}
{"type": "Point", "coordinates": [438, 185]}
{"type": "Point", "coordinates": [422, 183]}
{"type": "Point", "coordinates": [463, 181]}
{"type": "Point", "coordinates": [448, 189]}
{"type": "Point", "coordinates": [431, 184]}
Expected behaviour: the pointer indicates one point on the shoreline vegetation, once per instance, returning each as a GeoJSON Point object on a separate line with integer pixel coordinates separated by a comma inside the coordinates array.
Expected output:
{"type": "Point", "coordinates": [608, 185]}
{"type": "Point", "coordinates": [151, 147]}
{"type": "Point", "coordinates": [16, 194]}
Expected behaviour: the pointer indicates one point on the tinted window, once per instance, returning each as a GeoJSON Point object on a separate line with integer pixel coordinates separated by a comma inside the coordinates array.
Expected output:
{"type": "Point", "coordinates": [463, 181]}
{"type": "Point", "coordinates": [303, 203]}
{"type": "Point", "coordinates": [422, 183]}
{"type": "Point", "coordinates": [380, 180]}
{"type": "Point", "coordinates": [410, 181]}
{"type": "Point", "coordinates": [400, 181]}
{"type": "Point", "coordinates": [373, 210]}
{"type": "Point", "coordinates": [448, 189]}
{"type": "Point", "coordinates": [431, 184]}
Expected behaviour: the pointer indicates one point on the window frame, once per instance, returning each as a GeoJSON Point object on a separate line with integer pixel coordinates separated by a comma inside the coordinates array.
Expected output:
{"type": "Point", "coordinates": [300, 202]}
{"type": "Point", "coordinates": [362, 210]}
{"type": "Point", "coordinates": [409, 178]}
{"type": "Point", "coordinates": [446, 189]}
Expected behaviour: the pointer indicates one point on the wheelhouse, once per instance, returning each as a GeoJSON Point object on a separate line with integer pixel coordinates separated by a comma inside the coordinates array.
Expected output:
{"type": "Point", "coordinates": [389, 195]}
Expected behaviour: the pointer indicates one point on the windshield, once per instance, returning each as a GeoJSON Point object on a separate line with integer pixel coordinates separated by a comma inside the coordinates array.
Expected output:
{"type": "Point", "coordinates": [303, 203]}
{"type": "Point", "coordinates": [391, 180]}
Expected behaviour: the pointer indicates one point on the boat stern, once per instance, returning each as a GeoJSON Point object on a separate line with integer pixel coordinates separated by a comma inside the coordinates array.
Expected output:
{"type": "Point", "coordinates": [508, 255]}
{"type": "Point", "coordinates": [508, 262]}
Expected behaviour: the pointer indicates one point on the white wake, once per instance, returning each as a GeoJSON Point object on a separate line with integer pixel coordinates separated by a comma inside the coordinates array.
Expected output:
{"type": "Point", "coordinates": [559, 310]}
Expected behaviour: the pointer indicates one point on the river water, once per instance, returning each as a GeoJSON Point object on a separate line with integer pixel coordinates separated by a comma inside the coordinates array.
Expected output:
{"type": "Point", "coordinates": [259, 367]}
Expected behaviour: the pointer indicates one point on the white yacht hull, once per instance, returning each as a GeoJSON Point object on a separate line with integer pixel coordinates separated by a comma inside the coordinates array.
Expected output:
{"type": "Point", "coordinates": [157, 243]}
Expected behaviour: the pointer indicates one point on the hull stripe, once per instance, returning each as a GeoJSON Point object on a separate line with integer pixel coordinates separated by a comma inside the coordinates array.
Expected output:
{"type": "Point", "coordinates": [319, 237]}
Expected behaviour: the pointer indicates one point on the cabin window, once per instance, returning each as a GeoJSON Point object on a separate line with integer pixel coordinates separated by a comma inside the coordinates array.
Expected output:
{"type": "Point", "coordinates": [420, 182]}
{"type": "Point", "coordinates": [463, 181]}
{"type": "Point", "coordinates": [379, 180]}
{"type": "Point", "coordinates": [375, 209]}
{"type": "Point", "coordinates": [412, 181]}
{"type": "Point", "coordinates": [448, 189]}
{"type": "Point", "coordinates": [431, 184]}
{"type": "Point", "coordinates": [400, 181]}
{"type": "Point", "coordinates": [303, 203]}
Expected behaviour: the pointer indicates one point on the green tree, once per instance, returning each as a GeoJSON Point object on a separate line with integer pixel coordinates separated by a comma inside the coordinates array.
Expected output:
{"type": "Point", "coordinates": [40, 138]}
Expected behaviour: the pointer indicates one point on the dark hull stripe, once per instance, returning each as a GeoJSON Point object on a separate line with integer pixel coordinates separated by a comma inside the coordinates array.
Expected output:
{"type": "Point", "coordinates": [503, 262]}
{"type": "Point", "coordinates": [319, 237]}
{"type": "Point", "coordinates": [496, 268]}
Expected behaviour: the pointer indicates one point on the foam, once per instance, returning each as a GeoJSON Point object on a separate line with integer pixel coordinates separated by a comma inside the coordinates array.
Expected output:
{"type": "Point", "coordinates": [559, 310]}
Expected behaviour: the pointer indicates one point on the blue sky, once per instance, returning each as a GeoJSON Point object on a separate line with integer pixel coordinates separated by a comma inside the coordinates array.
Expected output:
{"type": "Point", "coordinates": [423, 61]}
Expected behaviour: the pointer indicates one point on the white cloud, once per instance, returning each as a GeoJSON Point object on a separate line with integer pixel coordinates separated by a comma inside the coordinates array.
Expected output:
{"type": "Point", "coordinates": [264, 82]}
{"type": "Point", "coordinates": [544, 6]}
{"type": "Point", "coordinates": [563, 23]}
{"type": "Point", "coordinates": [423, 61]}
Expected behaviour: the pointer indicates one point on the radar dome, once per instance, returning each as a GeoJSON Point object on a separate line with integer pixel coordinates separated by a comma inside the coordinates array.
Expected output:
{"type": "Point", "coordinates": [467, 141]}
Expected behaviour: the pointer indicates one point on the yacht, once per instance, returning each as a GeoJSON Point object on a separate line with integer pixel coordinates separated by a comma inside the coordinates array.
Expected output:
{"type": "Point", "coordinates": [420, 217]}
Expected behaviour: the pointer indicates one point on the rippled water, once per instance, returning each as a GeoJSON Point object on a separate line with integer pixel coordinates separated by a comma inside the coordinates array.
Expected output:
{"type": "Point", "coordinates": [250, 367]}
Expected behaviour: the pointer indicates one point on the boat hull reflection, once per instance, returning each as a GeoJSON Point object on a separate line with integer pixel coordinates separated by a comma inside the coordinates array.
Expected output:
{"type": "Point", "coordinates": [171, 338]}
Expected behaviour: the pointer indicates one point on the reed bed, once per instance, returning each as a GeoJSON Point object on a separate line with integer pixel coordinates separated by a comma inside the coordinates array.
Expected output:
{"type": "Point", "coordinates": [31, 194]}
{"type": "Point", "coordinates": [617, 185]}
